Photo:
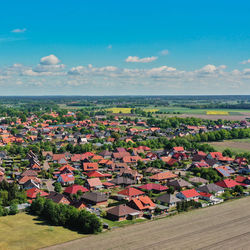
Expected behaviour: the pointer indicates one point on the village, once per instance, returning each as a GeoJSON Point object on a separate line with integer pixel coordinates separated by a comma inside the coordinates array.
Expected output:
{"type": "Point", "coordinates": [107, 166]}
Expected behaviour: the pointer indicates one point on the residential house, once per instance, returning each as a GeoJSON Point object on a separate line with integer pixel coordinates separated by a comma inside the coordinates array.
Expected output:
{"type": "Point", "coordinates": [168, 199]}
{"type": "Point", "coordinates": [58, 198]}
{"type": "Point", "coordinates": [211, 188]}
{"type": "Point", "coordinates": [66, 179]}
{"type": "Point", "coordinates": [188, 194]}
{"type": "Point", "coordinates": [130, 193]}
{"type": "Point", "coordinates": [95, 198]}
{"type": "Point", "coordinates": [123, 212]}
{"type": "Point", "coordinates": [74, 189]}
{"type": "Point", "coordinates": [94, 184]}
{"type": "Point", "coordinates": [179, 184]}
{"type": "Point", "coordinates": [227, 183]}
{"type": "Point", "coordinates": [155, 187]}
{"type": "Point", "coordinates": [142, 203]}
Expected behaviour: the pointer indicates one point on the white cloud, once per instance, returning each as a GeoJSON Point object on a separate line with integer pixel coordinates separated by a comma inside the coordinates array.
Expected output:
{"type": "Point", "coordinates": [141, 60]}
{"type": "Point", "coordinates": [49, 60]}
{"type": "Point", "coordinates": [76, 70]}
{"type": "Point", "coordinates": [49, 68]}
{"type": "Point", "coordinates": [208, 69]}
{"type": "Point", "coordinates": [245, 62]}
{"type": "Point", "coordinates": [164, 52]}
{"type": "Point", "coordinates": [19, 30]}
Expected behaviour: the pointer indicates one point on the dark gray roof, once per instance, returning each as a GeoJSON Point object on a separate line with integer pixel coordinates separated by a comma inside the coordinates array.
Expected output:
{"type": "Point", "coordinates": [179, 183]}
{"type": "Point", "coordinates": [123, 180]}
{"type": "Point", "coordinates": [209, 188]}
{"type": "Point", "coordinates": [168, 198]}
{"type": "Point", "coordinates": [121, 210]}
{"type": "Point", "coordinates": [56, 197]}
{"type": "Point", "coordinates": [95, 196]}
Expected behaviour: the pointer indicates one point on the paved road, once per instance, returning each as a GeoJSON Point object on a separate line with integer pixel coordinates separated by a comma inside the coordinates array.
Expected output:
{"type": "Point", "coordinates": [225, 226]}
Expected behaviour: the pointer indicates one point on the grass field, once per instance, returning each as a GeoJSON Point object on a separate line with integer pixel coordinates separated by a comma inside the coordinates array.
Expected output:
{"type": "Point", "coordinates": [224, 226]}
{"type": "Point", "coordinates": [237, 145]}
{"type": "Point", "coordinates": [23, 231]}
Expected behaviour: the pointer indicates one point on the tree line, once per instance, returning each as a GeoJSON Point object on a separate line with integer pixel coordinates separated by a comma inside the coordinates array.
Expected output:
{"type": "Point", "coordinates": [66, 216]}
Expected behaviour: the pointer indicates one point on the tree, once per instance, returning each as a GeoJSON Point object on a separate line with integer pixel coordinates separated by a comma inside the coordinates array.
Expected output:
{"type": "Point", "coordinates": [227, 152]}
{"type": "Point", "coordinates": [171, 190]}
{"type": "Point", "coordinates": [13, 209]}
{"type": "Point", "coordinates": [239, 189]}
{"type": "Point", "coordinates": [58, 187]}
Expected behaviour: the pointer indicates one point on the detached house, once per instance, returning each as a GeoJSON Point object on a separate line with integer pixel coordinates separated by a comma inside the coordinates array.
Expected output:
{"type": "Point", "coordinates": [168, 199]}
{"type": "Point", "coordinates": [130, 193]}
{"type": "Point", "coordinates": [123, 212]}
{"type": "Point", "coordinates": [142, 203]}
{"type": "Point", "coordinates": [189, 194]}
{"type": "Point", "coordinates": [95, 198]}
{"type": "Point", "coordinates": [94, 184]}
{"type": "Point", "coordinates": [66, 179]}
{"type": "Point", "coordinates": [58, 198]}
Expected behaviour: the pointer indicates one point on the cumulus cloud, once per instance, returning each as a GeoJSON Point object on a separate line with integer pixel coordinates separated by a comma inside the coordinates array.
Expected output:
{"type": "Point", "coordinates": [141, 60]}
{"type": "Point", "coordinates": [245, 61]}
{"type": "Point", "coordinates": [49, 60]}
{"type": "Point", "coordinates": [19, 30]}
{"type": "Point", "coordinates": [163, 77]}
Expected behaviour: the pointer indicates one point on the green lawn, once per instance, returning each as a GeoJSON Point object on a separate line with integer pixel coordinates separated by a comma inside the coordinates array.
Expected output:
{"type": "Point", "coordinates": [23, 231]}
{"type": "Point", "coordinates": [121, 223]}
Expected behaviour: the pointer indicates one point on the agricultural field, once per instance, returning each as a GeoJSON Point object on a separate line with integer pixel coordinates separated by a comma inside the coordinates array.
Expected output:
{"type": "Point", "coordinates": [120, 110]}
{"type": "Point", "coordinates": [23, 231]}
{"type": "Point", "coordinates": [224, 226]}
{"type": "Point", "coordinates": [237, 145]}
{"type": "Point", "coordinates": [217, 112]}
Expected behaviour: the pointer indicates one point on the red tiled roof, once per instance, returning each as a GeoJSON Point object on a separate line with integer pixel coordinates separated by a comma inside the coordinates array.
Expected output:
{"type": "Point", "coordinates": [189, 193]}
{"type": "Point", "coordinates": [95, 174]}
{"type": "Point", "coordinates": [143, 202]}
{"type": "Point", "coordinates": [163, 176]}
{"type": "Point", "coordinates": [130, 192]}
{"type": "Point", "coordinates": [216, 154]}
{"type": "Point", "coordinates": [67, 177]}
{"type": "Point", "coordinates": [153, 186]}
{"type": "Point", "coordinates": [68, 167]}
{"type": "Point", "coordinates": [227, 183]}
{"type": "Point", "coordinates": [178, 148]}
{"type": "Point", "coordinates": [33, 192]}
{"type": "Point", "coordinates": [75, 188]}
{"type": "Point", "coordinates": [94, 182]}
{"type": "Point", "coordinates": [90, 166]}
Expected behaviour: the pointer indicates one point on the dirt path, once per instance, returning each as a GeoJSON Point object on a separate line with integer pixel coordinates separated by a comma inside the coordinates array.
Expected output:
{"type": "Point", "coordinates": [225, 226]}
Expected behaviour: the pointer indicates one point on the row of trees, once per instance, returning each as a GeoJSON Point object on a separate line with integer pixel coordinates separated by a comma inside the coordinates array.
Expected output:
{"type": "Point", "coordinates": [186, 205]}
{"type": "Point", "coordinates": [66, 216]}
{"type": "Point", "coordinates": [11, 194]}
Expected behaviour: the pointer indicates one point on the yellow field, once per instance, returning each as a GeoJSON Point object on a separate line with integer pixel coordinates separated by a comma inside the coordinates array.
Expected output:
{"type": "Point", "coordinates": [217, 112]}
{"type": "Point", "coordinates": [128, 110]}
{"type": "Point", "coordinates": [118, 110]}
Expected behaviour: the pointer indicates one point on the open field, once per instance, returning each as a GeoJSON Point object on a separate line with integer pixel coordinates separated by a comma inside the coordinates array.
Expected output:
{"type": "Point", "coordinates": [238, 145]}
{"type": "Point", "coordinates": [230, 117]}
{"type": "Point", "coordinates": [224, 226]}
{"type": "Point", "coordinates": [23, 231]}
{"type": "Point", "coordinates": [120, 110]}
{"type": "Point", "coordinates": [213, 112]}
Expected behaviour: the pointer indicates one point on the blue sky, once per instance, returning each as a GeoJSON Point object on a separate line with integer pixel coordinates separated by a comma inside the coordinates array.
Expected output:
{"type": "Point", "coordinates": [124, 47]}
